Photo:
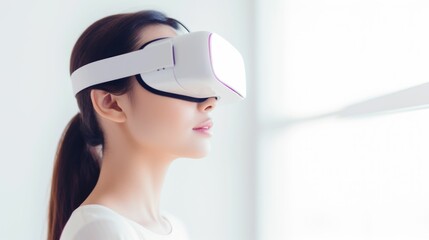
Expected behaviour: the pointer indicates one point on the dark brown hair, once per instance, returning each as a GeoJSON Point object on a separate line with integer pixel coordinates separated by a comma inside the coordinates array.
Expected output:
{"type": "Point", "coordinates": [76, 168]}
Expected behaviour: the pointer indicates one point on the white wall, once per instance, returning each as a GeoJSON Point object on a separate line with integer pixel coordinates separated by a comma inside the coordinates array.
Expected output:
{"type": "Point", "coordinates": [339, 158]}
{"type": "Point", "coordinates": [213, 196]}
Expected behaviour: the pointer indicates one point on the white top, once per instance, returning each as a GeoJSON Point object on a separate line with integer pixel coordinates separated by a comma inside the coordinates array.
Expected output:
{"type": "Point", "coordinates": [97, 222]}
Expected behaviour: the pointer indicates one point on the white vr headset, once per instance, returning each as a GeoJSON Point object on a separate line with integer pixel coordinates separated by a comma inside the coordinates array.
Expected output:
{"type": "Point", "coordinates": [193, 67]}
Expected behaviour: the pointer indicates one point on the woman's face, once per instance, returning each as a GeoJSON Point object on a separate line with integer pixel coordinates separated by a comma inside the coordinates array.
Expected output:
{"type": "Point", "coordinates": [163, 124]}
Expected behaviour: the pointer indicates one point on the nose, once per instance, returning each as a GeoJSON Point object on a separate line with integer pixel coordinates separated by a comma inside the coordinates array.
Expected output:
{"type": "Point", "coordinates": [208, 105]}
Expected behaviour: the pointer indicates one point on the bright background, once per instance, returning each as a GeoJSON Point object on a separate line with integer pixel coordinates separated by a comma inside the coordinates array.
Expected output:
{"type": "Point", "coordinates": [331, 142]}
{"type": "Point", "coordinates": [342, 109]}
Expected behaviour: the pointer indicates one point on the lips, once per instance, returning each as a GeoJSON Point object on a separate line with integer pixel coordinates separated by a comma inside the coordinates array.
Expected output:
{"type": "Point", "coordinates": [204, 125]}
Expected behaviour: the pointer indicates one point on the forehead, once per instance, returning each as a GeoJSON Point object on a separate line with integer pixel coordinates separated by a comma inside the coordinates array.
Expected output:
{"type": "Point", "coordinates": [155, 31]}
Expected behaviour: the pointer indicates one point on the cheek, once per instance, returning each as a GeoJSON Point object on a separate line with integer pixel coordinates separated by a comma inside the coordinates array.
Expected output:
{"type": "Point", "coordinates": [168, 127]}
{"type": "Point", "coordinates": [154, 124]}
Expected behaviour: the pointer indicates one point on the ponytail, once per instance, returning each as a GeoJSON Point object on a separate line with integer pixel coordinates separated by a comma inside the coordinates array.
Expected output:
{"type": "Point", "coordinates": [75, 174]}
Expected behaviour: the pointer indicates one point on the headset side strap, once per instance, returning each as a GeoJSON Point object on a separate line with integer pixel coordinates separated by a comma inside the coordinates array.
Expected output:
{"type": "Point", "coordinates": [155, 56]}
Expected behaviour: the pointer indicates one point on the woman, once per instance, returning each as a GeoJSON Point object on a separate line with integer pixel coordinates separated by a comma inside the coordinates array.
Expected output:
{"type": "Point", "coordinates": [113, 156]}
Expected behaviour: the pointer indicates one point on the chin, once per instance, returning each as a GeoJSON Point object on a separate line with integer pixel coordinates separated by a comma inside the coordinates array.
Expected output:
{"type": "Point", "coordinates": [198, 156]}
{"type": "Point", "coordinates": [199, 153]}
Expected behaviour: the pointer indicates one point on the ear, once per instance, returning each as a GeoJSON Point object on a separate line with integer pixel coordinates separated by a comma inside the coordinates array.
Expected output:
{"type": "Point", "coordinates": [107, 105]}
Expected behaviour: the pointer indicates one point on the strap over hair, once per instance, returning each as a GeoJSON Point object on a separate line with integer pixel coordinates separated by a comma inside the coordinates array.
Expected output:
{"type": "Point", "coordinates": [156, 56]}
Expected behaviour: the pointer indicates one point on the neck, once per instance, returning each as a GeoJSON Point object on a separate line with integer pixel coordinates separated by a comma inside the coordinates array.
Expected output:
{"type": "Point", "coordinates": [131, 183]}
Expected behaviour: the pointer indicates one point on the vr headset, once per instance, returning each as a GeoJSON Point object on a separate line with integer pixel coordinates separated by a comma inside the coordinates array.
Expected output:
{"type": "Point", "coordinates": [193, 67]}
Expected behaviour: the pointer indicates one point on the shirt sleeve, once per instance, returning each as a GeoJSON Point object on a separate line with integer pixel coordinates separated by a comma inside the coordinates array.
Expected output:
{"type": "Point", "coordinates": [105, 230]}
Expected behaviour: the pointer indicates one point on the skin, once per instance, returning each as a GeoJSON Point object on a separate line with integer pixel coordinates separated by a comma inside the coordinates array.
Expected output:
{"type": "Point", "coordinates": [144, 133]}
